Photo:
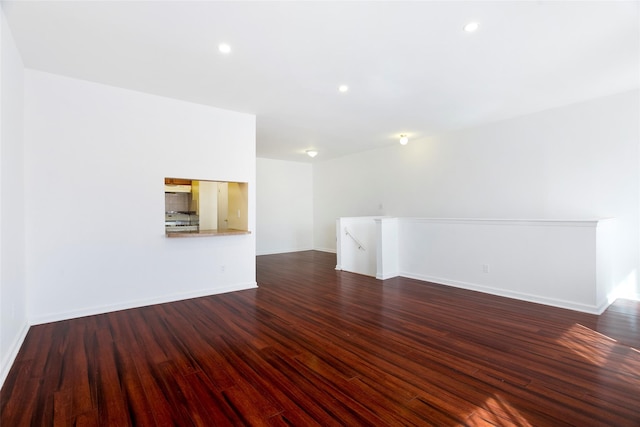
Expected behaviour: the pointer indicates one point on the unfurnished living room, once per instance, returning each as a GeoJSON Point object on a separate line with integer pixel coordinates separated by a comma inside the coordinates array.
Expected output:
{"type": "Point", "coordinates": [320, 213]}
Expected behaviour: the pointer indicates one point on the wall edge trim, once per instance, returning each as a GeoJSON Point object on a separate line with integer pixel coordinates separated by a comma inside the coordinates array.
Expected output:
{"type": "Point", "coordinates": [328, 250]}
{"type": "Point", "coordinates": [73, 314]}
{"type": "Point", "coordinates": [519, 222]}
{"type": "Point", "coordinates": [283, 251]}
{"type": "Point", "coordinates": [569, 305]}
{"type": "Point", "coordinates": [9, 360]}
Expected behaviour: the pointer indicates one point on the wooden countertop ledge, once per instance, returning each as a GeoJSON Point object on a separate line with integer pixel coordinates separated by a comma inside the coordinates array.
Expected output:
{"type": "Point", "coordinates": [208, 233]}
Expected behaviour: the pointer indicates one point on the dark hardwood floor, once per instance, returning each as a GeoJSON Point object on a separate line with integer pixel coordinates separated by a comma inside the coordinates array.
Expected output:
{"type": "Point", "coordinates": [313, 346]}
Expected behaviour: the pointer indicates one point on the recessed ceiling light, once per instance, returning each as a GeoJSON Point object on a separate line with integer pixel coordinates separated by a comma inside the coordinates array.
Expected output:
{"type": "Point", "coordinates": [343, 88]}
{"type": "Point", "coordinates": [224, 48]}
{"type": "Point", "coordinates": [404, 139]}
{"type": "Point", "coordinates": [471, 27]}
{"type": "Point", "coordinates": [311, 153]}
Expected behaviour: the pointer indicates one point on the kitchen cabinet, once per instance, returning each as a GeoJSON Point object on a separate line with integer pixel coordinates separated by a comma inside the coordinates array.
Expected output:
{"type": "Point", "coordinates": [177, 185]}
{"type": "Point", "coordinates": [177, 181]}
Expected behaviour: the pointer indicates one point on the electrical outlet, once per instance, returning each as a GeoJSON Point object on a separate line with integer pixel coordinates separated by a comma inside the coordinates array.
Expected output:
{"type": "Point", "coordinates": [222, 268]}
{"type": "Point", "coordinates": [485, 268]}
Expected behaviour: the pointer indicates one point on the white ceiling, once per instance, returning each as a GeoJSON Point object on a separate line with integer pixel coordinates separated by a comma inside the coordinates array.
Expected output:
{"type": "Point", "coordinates": [409, 65]}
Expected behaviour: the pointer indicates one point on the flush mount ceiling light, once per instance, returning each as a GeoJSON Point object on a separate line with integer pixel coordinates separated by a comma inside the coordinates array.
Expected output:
{"type": "Point", "coordinates": [311, 153]}
{"type": "Point", "coordinates": [471, 27]}
{"type": "Point", "coordinates": [224, 48]}
{"type": "Point", "coordinates": [343, 88]}
{"type": "Point", "coordinates": [404, 139]}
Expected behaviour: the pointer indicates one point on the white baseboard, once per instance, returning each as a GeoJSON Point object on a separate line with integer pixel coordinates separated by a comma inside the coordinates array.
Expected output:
{"type": "Point", "coordinates": [329, 250]}
{"type": "Point", "coordinates": [54, 317]}
{"type": "Point", "coordinates": [7, 363]}
{"type": "Point", "coordinates": [585, 308]}
{"type": "Point", "coordinates": [282, 251]}
{"type": "Point", "coordinates": [287, 251]}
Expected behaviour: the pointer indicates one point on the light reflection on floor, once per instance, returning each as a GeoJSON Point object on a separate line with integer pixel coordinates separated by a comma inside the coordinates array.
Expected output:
{"type": "Point", "coordinates": [588, 344]}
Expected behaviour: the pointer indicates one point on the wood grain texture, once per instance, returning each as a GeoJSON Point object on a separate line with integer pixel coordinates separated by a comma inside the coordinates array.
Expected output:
{"type": "Point", "coordinates": [315, 346]}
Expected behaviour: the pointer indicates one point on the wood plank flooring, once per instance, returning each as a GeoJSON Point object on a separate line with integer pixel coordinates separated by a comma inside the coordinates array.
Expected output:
{"type": "Point", "coordinates": [313, 346]}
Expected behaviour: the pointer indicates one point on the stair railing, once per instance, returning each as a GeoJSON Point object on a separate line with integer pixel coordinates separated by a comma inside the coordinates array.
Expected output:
{"type": "Point", "coordinates": [360, 245]}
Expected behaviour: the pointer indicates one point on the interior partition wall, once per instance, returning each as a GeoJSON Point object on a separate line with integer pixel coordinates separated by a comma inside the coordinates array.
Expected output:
{"type": "Point", "coordinates": [563, 263]}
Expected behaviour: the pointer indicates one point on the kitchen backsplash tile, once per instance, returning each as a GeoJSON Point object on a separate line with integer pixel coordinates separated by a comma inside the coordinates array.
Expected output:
{"type": "Point", "coordinates": [177, 202]}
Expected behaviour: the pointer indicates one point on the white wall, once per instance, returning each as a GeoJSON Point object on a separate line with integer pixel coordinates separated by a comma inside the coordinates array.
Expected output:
{"type": "Point", "coordinates": [575, 162]}
{"type": "Point", "coordinates": [548, 262]}
{"type": "Point", "coordinates": [13, 288]}
{"type": "Point", "coordinates": [284, 206]}
{"type": "Point", "coordinates": [95, 161]}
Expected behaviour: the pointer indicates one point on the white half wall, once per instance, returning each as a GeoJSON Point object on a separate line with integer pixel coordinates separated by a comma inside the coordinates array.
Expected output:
{"type": "Point", "coordinates": [13, 285]}
{"type": "Point", "coordinates": [578, 161]}
{"type": "Point", "coordinates": [550, 262]}
{"type": "Point", "coordinates": [95, 161]}
{"type": "Point", "coordinates": [564, 263]}
{"type": "Point", "coordinates": [284, 206]}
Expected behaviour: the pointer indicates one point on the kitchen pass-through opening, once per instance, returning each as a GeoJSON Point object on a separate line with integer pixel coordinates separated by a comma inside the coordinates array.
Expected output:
{"type": "Point", "coordinates": [194, 205]}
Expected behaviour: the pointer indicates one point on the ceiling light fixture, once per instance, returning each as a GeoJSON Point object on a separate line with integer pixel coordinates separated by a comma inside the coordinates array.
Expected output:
{"type": "Point", "coordinates": [311, 153]}
{"type": "Point", "coordinates": [343, 88]}
{"type": "Point", "coordinates": [404, 139]}
{"type": "Point", "coordinates": [224, 48]}
{"type": "Point", "coordinates": [471, 27]}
